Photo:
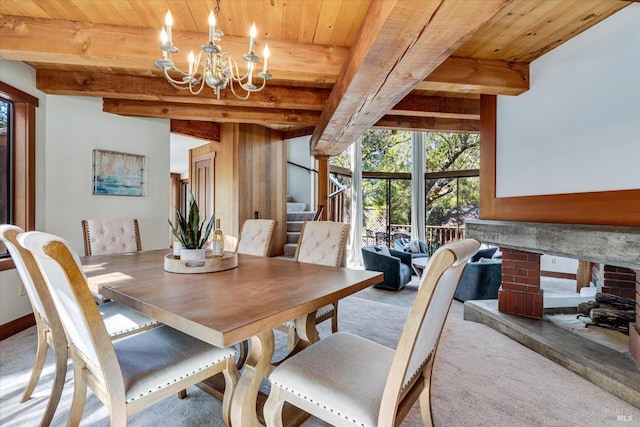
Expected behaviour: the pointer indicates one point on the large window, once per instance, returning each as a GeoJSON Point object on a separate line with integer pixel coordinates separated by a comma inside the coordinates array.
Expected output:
{"type": "Point", "coordinates": [451, 184]}
{"type": "Point", "coordinates": [18, 115]}
{"type": "Point", "coordinates": [6, 172]}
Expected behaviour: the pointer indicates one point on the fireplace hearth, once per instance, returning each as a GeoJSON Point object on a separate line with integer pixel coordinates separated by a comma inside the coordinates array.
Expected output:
{"type": "Point", "coordinates": [524, 242]}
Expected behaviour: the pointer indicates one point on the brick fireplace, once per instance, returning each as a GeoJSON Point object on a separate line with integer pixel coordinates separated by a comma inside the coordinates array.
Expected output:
{"type": "Point", "coordinates": [522, 243]}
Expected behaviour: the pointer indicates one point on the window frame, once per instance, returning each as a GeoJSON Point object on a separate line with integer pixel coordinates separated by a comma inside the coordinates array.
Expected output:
{"type": "Point", "coordinates": [24, 160]}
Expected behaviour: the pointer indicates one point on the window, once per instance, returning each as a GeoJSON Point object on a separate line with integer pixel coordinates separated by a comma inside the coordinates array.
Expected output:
{"type": "Point", "coordinates": [6, 173]}
{"type": "Point", "coordinates": [18, 167]}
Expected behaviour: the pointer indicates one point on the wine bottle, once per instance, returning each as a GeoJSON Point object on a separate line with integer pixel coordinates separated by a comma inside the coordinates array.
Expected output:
{"type": "Point", "coordinates": [217, 247]}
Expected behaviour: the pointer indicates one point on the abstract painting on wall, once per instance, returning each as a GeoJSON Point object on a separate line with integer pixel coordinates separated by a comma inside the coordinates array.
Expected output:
{"type": "Point", "coordinates": [117, 174]}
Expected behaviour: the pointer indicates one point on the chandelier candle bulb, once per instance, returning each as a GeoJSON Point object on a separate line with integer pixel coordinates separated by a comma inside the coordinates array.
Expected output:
{"type": "Point", "coordinates": [212, 26]}
{"type": "Point", "coordinates": [252, 40]}
{"type": "Point", "coordinates": [265, 53]}
{"type": "Point", "coordinates": [168, 21]}
{"type": "Point", "coordinates": [192, 58]}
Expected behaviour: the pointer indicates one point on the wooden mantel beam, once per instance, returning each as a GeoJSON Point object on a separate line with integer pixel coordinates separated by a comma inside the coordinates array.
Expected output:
{"type": "Point", "coordinates": [389, 58]}
{"type": "Point", "coordinates": [135, 48]}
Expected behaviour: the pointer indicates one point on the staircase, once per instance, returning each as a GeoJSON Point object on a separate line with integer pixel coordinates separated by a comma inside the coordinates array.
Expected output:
{"type": "Point", "coordinates": [297, 213]}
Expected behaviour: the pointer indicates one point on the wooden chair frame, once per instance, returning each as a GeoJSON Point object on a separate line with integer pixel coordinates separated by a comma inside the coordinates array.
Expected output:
{"type": "Point", "coordinates": [400, 390]}
{"type": "Point", "coordinates": [110, 387]}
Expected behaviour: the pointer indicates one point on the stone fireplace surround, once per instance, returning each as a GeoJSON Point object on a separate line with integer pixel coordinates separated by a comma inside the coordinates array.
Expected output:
{"type": "Point", "coordinates": [522, 243]}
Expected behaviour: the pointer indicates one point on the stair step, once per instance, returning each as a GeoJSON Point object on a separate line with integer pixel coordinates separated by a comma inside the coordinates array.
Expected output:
{"type": "Point", "coordinates": [293, 237]}
{"type": "Point", "coordinates": [294, 226]}
{"type": "Point", "coordinates": [296, 207]}
{"type": "Point", "coordinates": [290, 249]}
{"type": "Point", "coordinates": [300, 216]}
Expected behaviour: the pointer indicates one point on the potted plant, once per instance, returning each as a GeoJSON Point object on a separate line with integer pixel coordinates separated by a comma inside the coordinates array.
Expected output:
{"type": "Point", "coordinates": [190, 233]}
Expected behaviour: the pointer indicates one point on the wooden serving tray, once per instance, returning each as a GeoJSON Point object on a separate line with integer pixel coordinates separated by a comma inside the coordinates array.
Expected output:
{"type": "Point", "coordinates": [210, 264]}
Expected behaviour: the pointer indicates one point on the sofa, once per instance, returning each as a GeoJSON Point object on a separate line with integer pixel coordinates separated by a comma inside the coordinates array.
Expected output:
{"type": "Point", "coordinates": [481, 278]}
{"type": "Point", "coordinates": [402, 245]}
{"type": "Point", "coordinates": [396, 266]}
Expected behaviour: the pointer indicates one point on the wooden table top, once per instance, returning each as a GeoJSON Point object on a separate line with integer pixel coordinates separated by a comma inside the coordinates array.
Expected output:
{"type": "Point", "coordinates": [224, 307]}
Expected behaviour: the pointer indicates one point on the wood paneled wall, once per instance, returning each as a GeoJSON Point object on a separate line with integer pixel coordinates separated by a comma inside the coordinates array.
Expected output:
{"type": "Point", "coordinates": [250, 176]}
{"type": "Point", "coordinates": [598, 208]}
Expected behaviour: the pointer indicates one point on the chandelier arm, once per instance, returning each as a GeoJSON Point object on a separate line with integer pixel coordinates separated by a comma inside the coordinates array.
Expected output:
{"type": "Point", "coordinates": [201, 81]}
{"type": "Point", "coordinates": [173, 81]}
{"type": "Point", "coordinates": [234, 64]}
{"type": "Point", "coordinates": [242, 98]}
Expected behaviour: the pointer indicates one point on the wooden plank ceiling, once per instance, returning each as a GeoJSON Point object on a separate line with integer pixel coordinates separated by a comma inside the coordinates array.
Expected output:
{"type": "Point", "coordinates": [339, 66]}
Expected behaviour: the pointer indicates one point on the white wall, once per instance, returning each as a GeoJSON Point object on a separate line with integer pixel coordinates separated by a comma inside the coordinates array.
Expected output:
{"type": "Point", "coordinates": [75, 127]}
{"type": "Point", "coordinates": [300, 183]}
{"type": "Point", "coordinates": [558, 264]}
{"type": "Point", "coordinates": [578, 128]}
{"type": "Point", "coordinates": [67, 131]}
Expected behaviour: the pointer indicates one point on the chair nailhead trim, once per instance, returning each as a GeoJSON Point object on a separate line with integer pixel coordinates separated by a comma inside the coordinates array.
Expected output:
{"type": "Point", "coordinates": [346, 417]}
{"type": "Point", "coordinates": [175, 380]}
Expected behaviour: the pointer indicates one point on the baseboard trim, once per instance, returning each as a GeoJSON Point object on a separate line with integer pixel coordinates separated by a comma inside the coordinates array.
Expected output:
{"type": "Point", "coordinates": [559, 275]}
{"type": "Point", "coordinates": [18, 325]}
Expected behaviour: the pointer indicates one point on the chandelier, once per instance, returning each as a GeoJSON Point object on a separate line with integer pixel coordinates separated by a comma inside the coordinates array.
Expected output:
{"type": "Point", "coordinates": [211, 66]}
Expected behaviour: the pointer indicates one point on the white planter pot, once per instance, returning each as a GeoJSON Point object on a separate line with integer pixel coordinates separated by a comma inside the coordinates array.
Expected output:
{"type": "Point", "coordinates": [192, 254]}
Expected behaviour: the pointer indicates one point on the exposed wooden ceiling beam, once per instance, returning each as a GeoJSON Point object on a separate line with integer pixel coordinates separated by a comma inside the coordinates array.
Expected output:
{"type": "Point", "coordinates": [389, 58]}
{"type": "Point", "coordinates": [133, 48]}
{"type": "Point", "coordinates": [427, 124]}
{"type": "Point", "coordinates": [105, 85]}
{"type": "Point", "coordinates": [303, 119]}
{"type": "Point", "coordinates": [136, 48]}
{"type": "Point", "coordinates": [203, 112]}
{"type": "Point", "coordinates": [82, 83]}
{"type": "Point", "coordinates": [209, 131]}
{"type": "Point", "coordinates": [437, 106]}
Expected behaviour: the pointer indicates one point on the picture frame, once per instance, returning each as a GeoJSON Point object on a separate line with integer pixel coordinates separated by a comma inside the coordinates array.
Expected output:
{"type": "Point", "coordinates": [118, 174]}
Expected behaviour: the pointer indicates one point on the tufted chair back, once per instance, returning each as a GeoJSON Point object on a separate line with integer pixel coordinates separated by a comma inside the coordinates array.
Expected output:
{"type": "Point", "coordinates": [323, 242]}
{"type": "Point", "coordinates": [111, 236]}
{"type": "Point", "coordinates": [255, 238]}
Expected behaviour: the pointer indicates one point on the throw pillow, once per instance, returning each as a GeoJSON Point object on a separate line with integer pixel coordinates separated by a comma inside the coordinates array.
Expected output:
{"type": "Point", "coordinates": [413, 246]}
{"type": "Point", "coordinates": [484, 253]}
{"type": "Point", "coordinates": [383, 250]}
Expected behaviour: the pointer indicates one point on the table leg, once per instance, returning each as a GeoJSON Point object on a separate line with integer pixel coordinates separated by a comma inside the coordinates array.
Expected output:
{"type": "Point", "coordinates": [257, 366]}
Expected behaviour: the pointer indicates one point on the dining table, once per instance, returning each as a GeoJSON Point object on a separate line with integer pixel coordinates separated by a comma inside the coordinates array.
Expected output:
{"type": "Point", "coordinates": [229, 307]}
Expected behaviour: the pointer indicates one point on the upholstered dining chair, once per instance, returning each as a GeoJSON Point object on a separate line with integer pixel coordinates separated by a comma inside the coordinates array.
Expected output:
{"type": "Point", "coordinates": [255, 237]}
{"type": "Point", "coordinates": [347, 380]}
{"type": "Point", "coordinates": [126, 375]}
{"type": "Point", "coordinates": [119, 320]}
{"type": "Point", "coordinates": [111, 236]}
{"type": "Point", "coordinates": [324, 243]}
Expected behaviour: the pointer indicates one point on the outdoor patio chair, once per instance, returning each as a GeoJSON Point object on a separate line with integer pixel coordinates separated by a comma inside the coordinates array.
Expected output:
{"type": "Point", "coordinates": [111, 236]}
{"type": "Point", "coordinates": [119, 320]}
{"type": "Point", "coordinates": [347, 380]}
{"type": "Point", "coordinates": [126, 375]}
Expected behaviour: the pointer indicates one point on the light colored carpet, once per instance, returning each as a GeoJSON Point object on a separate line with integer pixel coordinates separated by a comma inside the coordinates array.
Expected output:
{"type": "Point", "coordinates": [481, 378]}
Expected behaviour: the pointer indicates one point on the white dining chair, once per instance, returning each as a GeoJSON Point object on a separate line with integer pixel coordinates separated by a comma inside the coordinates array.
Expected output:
{"type": "Point", "coordinates": [119, 320]}
{"type": "Point", "coordinates": [255, 237]}
{"type": "Point", "coordinates": [111, 236]}
{"type": "Point", "coordinates": [126, 375]}
{"type": "Point", "coordinates": [323, 243]}
{"type": "Point", "coordinates": [347, 380]}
